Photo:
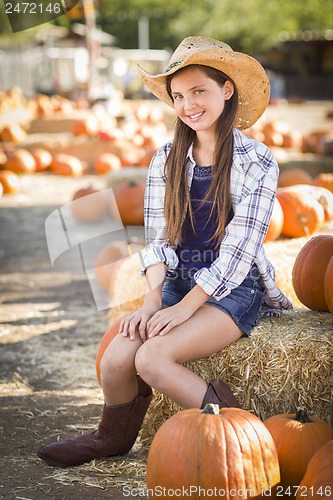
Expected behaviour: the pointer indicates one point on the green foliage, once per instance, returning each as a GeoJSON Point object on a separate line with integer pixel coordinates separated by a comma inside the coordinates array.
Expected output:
{"type": "Point", "coordinates": [251, 26]}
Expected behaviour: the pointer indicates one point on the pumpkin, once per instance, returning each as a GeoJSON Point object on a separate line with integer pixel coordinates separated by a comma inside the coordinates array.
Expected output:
{"type": "Point", "coordinates": [21, 161]}
{"type": "Point", "coordinates": [297, 438]}
{"type": "Point", "coordinates": [328, 285]}
{"type": "Point", "coordinates": [10, 182]}
{"type": "Point", "coordinates": [89, 205]}
{"type": "Point", "coordinates": [13, 133]}
{"type": "Point", "coordinates": [318, 480]}
{"type": "Point", "coordinates": [276, 223]}
{"type": "Point", "coordinates": [63, 164]}
{"type": "Point", "coordinates": [322, 195]}
{"type": "Point", "coordinates": [107, 162]}
{"type": "Point", "coordinates": [105, 264]}
{"type": "Point", "coordinates": [228, 451]}
{"type": "Point", "coordinates": [42, 158]}
{"type": "Point", "coordinates": [303, 214]}
{"type": "Point", "coordinates": [294, 176]}
{"type": "Point", "coordinates": [88, 126]}
{"type": "Point", "coordinates": [129, 198]}
{"type": "Point", "coordinates": [309, 271]}
{"type": "Point", "coordinates": [325, 181]}
{"type": "Point", "coordinates": [104, 344]}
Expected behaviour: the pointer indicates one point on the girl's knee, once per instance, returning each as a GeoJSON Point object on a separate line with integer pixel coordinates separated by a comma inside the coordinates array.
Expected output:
{"type": "Point", "coordinates": [149, 362]}
{"type": "Point", "coordinates": [117, 361]}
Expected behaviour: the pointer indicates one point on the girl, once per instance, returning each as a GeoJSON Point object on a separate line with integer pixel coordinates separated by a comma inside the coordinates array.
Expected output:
{"type": "Point", "coordinates": [208, 204]}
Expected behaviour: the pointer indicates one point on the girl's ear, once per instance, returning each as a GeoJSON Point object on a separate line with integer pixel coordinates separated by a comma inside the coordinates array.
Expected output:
{"type": "Point", "coordinates": [228, 90]}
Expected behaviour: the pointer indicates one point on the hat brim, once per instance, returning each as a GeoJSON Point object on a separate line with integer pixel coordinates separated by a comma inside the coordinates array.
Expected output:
{"type": "Point", "coordinates": [246, 72]}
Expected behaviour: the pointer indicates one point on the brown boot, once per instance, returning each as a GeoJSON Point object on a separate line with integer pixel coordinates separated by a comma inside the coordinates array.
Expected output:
{"type": "Point", "coordinates": [219, 392]}
{"type": "Point", "coordinates": [116, 434]}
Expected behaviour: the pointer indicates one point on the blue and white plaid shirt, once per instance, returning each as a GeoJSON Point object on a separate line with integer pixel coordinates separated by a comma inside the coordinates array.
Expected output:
{"type": "Point", "coordinates": [254, 176]}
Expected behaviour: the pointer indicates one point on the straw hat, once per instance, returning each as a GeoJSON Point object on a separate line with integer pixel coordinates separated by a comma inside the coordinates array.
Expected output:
{"type": "Point", "coordinates": [247, 73]}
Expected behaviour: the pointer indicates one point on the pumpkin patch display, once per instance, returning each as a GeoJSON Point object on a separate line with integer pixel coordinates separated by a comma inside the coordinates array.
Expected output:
{"type": "Point", "coordinates": [325, 181]}
{"type": "Point", "coordinates": [21, 161]}
{"type": "Point", "coordinates": [297, 438]}
{"type": "Point", "coordinates": [42, 158]}
{"type": "Point", "coordinates": [309, 271]}
{"type": "Point", "coordinates": [317, 482]}
{"type": "Point", "coordinates": [276, 223]}
{"type": "Point", "coordinates": [108, 256]}
{"type": "Point", "coordinates": [107, 162]}
{"type": "Point", "coordinates": [89, 205]}
{"type": "Point", "coordinates": [293, 177]}
{"type": "Point", "coordinates": [129, 198]}
{"type": "Point", "coordinates": [63, 164]}
{"type": "Point", "coordinates": [219, 454]}
{"type": "Point", "coordinates": [303, 214]}
{"type": "Point", "coordinates": [10, 182]}
{"type": "Point", "coordinates": [328, 285]}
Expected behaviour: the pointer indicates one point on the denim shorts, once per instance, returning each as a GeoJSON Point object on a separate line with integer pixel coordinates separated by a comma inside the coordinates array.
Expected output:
{"type": "Point", "coordinates": [242, 304]}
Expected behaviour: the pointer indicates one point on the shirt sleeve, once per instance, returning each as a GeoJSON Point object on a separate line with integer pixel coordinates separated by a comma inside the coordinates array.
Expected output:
{"type": "Point", "coordinates": [157, 250]}
{"type": "Point", "coordinates": [244, 235]}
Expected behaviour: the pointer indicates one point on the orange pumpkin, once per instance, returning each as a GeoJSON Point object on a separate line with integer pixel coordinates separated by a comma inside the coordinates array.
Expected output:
{"type": "Point", "coordinates": [106, 261]}
{"type": "Point", "coordinates": [325, 181]}
{"type": "Point", "coordinates": [303, 214]}
{"type": "Point", "coordinates": [89, 205]}
{"type": "Point", "coordinates": [224, 452]}
{"type": "Point", "coordinates": [107, 162]}
{"type": "Point", "coordinates": [63, 164]}
{"type": "Point", "coordinates": [13, 133]}
{"type": "Point", "coordinates": [328, 285]}
{"type": "Point", "coordinates": [42, 158]}
{"type": "Point", "coordinates": [294, 176]}
{"type": "Point", "coordinates": [309, 271]}
{"type": "Point", "coordinates": [10, 182]}
{"type": "Point", "coordinates": [297, 438]}
{"type": "Point", "coordinates": [276, 223]}
{"type": "Point", "coordinates": [106, 258]}
{"type": "Point", "coordinates": [107, 337]}
{"type": "Point", "coordinates": [129, 197]}
{"type": "Point", "coordinates": [322, 195]}
{"type": "Point", "coordinates": [88, 126]}
{"type": "Point", "coordinates": [318, 480]}
{"type": "Point", "coordinates": [21, 161]}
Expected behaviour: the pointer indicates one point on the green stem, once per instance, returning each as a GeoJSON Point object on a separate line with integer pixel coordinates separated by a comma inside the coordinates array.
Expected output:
{"type": "Point", "coordinates": [302, 416]}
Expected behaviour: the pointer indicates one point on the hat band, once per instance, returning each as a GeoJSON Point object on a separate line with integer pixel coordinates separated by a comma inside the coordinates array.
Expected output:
{"type": "Point", "coordinates": [172, 65]}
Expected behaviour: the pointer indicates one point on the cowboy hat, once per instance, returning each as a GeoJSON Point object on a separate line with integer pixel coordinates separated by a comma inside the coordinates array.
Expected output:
{"type": "Point", "coordinates": [246, 72]}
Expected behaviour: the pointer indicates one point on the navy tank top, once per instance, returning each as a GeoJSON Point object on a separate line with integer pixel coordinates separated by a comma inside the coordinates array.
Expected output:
{"type": "Point", "coordinates": [197, 249]}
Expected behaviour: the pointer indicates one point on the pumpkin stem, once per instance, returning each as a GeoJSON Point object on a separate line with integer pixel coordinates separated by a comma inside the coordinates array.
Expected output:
{"type": "Point", "coordinates": [302, 416]}
{"type": "Point", "coordinates": [212, 409]}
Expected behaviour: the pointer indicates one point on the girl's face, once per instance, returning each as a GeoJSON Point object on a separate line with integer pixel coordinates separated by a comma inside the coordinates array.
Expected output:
{"type": "Point", "coordinates": [199, 100]}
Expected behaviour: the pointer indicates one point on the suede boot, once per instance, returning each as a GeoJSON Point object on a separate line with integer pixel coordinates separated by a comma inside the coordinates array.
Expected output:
{"type": "Point", "coordinates": [116, 434]}
{"type": "Point", "coordinates": [219, 392]}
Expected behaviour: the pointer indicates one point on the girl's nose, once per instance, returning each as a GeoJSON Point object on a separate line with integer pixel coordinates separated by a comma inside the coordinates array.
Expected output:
{"type": "Point", "coordinates": [189, 103]}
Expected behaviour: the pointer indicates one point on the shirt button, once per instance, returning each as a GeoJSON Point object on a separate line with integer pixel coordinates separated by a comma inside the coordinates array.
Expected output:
{"type": "Point", "coordinates": [252, 291]}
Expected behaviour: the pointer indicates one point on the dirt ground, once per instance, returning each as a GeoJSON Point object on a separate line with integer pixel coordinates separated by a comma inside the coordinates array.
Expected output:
{"type": "Point", "coordinates": [50, 329]}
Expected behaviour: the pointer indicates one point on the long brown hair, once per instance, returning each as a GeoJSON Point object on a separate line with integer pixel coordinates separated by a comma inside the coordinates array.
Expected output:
{"type": "Point", "coordinates": [177, 191]}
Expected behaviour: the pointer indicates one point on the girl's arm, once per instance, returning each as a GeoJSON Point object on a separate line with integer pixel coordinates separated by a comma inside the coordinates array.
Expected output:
{"type": "Point", "coordinates": [152, 303]}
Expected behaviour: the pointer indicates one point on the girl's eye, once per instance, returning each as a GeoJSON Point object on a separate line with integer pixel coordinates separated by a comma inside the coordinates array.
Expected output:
{"type": "Point", "coordinates": [178, 97]}
{"type": "Point", "coordinates": [199, 91]}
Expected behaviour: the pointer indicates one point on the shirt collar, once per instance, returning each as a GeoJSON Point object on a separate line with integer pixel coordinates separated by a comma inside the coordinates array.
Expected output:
{"type": "Point", "coordinates": [244, 150]}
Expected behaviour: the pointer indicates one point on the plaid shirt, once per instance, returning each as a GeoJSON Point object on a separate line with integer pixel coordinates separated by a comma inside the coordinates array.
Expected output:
{"type": "Point", "coordinates": [253, 179]}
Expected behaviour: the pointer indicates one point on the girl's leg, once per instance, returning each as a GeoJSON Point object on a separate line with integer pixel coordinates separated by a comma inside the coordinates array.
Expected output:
{"type": "Point", "coordinates": [118, 372]}
{"type": "Point", "coordinates": [159, 360]}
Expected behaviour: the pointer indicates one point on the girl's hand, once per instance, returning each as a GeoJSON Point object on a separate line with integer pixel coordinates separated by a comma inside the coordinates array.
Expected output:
{"type": "Point", "coordinates": [137, 320]}
{"type": "Point", "coordinates": [164, 320]}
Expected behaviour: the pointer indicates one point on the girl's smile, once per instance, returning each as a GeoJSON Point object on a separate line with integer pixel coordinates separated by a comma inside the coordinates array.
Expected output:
{"type": "Point", "coordinates": [199, 100]}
